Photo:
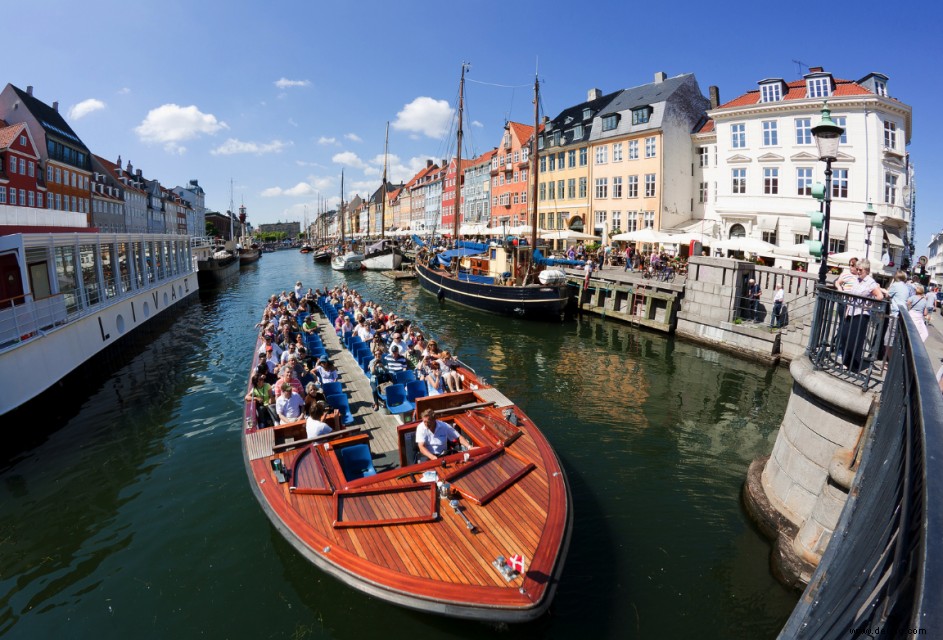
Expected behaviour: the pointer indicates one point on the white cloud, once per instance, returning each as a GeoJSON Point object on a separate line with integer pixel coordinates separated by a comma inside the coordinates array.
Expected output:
{"type": "Point", "coordinates": [233, 146]}
{"type": "Point", "coordinates": [300, 189]}
{"type": "Point", "coordinates": [326, 140]}
{"type": "Point", "coordinates": [425, 115]}
{"type": "Point", "coordinates": [285, 83]}
{"type": "Point", "coordinates": [84, 108]}
{"type": "Point", "coordinates": [349, 159]}
{"type": "Point", "coordinates": [171, 124]}
{"type": "Point", "coordinates": [292, 122]}
{"type": "Point", "coordinates": [353, 137]}
{"type": "Point", "coordinates": [475, 123]}
{"type": "Point", "coordinates": [123, 91]}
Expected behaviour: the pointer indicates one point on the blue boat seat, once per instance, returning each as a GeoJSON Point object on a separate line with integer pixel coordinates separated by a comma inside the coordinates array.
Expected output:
{"type": "Point", "coordinates": [332, 388]}
{"type": "Point", "coordinates": [357, 462]}
{"type": "Point", "coordinates": [396, 402]}
{"type": "Point", "coordinates": [404, 377]}
{"type": "Point", "coordinates": [339, 401]}
{"type": "Point", "coordinates": [416, 389]}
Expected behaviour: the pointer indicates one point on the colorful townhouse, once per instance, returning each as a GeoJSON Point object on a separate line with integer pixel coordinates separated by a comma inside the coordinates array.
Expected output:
{"type": "Point", "coordinates": [476, 190]}
{"type": "Point", "coordinates": [21, 175]}
{"type": "Point", "coordinates": [510, 167]}
{"type": "Point", "coordinates": [449, 188]}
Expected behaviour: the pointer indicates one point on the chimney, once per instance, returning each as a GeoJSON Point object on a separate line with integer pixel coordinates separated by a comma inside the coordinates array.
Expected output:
{"type": "Point", "coordinates": [816, 69]}
{"type": "Point", "coordinates": [593, 94]}
{"type": "Point", "coordinates": [118, 164]}
{"type": "Point", "coordinates": [714, 91]}
{"type": "Point", "coordinates": [660, 76]}
{"type": "Point", "coordinates": [29, 89]}
{"type": "Point", "coordinates": [138, 173]}
{"type": "Point", "coordinates": [55, 105]}
{"type": "Point", "coordinates": [130, 169]}
{"type": "Point", "coordinates": [428, 163]}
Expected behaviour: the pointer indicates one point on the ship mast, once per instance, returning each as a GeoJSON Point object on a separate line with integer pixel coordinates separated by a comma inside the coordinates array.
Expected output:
{"type": "Point", "coordinates": [458, 157]}
{"type": "Point", "coordinates": [386, 150]}
{"type": "Point", "coordinates": [343, 239]}
{"type": "Point", "coordinates": [533, 167]}
{"type": "Point", "coordinates": [232, 206]}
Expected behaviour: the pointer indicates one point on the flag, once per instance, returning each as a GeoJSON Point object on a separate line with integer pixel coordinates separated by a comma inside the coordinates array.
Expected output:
{"type": "Point", "coordinates": [516, 563]}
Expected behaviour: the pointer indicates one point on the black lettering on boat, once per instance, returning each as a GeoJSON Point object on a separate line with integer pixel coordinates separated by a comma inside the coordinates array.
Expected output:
{"type": "Point", "coordinates": [173, 293]}
{"type": "Point", "coordinates": [133, 315]}
{"type": "Point", "coordinates": [154, 295]}
{"type": "Point", "coordinates": [101, 326]}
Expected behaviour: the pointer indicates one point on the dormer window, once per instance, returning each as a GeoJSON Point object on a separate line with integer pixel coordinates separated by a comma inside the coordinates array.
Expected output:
{"type": "Point", "coordinates": [587, 114]}
{"type": "Point", "coordinates": [557, 137]}
{"type": "Point", "coordinates": [771, 92]}
{"type": "Point", "coordinates": [818, 87]}
{"type": "Point", "coordinates": [610, 122]}
{"type": "Point", "coordinates": [641, 115]}
{"type": "Point", "coordinates": [880, 87]}
{"type": "Point", "coordinates": [578, 132]}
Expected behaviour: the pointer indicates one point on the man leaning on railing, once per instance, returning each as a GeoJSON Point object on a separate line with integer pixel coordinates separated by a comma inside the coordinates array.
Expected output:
{"type": "Point", "coordinates": [858, 315]}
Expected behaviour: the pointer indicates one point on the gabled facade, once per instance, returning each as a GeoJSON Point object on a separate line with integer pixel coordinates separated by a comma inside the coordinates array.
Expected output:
{"type": "Point", "coordinates": [476, 190]}
{"type": "Point", "coordinates": [195, 196]}
{"type": "Point", "coordinates": [418, 188]}
{"type": "Point", "coordinates": [510, 168]}
{"type": "Point", "coordinates": [640, 156]}
{"type": "Point", "coordinates": [767, 161]}
{"type": "Point", "coordinates": [21, 174]}
{"type": "Point", "coordinates": [64, 157]}
{"type": "Point", "coordinates": [563, 196]}
{"type": "Point", "coordinates": [134, 189]}
{"type": "Point", "coordinates": [449, 188]}
{"type": "Point", "coordinates": [108, 212]}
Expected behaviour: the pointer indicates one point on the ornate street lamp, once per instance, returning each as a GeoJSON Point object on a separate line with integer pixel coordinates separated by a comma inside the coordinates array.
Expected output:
{"type": "Point", "coordinates": [870, 215]}
{"type": "Point", "coordinates": [827, 135]}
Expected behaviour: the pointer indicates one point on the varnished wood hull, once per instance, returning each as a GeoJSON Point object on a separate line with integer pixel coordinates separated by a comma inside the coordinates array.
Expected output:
{"type": "Point", "coordinates": [396, 539]}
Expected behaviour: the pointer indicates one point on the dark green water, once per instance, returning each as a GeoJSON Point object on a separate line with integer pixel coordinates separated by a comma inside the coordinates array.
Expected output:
{"type": "Point", "coordinates": [135, 518]}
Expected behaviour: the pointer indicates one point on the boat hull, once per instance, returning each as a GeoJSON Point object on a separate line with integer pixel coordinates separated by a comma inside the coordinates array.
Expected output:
{"type": "Point", "coordinates": [347, 262]}
{"type": "Point", "coordinates": [322, 256]}
{"type": "Point", "coordinates": [534, 302]}
{"type": "Point", "coordinates": [389, 260]}
{"type": "Point", "coordinates": [214, 272]}
{"type": "Point", "coordinates": [248, 256]}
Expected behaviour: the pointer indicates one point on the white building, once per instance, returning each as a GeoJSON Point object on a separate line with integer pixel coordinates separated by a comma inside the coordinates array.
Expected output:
{"type": "Point", "coordinates": [756, 160]}
{"type": "Point", "coordinates": [935, 258]}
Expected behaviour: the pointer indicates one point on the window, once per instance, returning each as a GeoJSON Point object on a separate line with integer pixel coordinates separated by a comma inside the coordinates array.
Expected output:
{"type": "Point", "coordinates": [22, 166]}
{"type": "Point", "coordinates": [840, 121]}
{"type": "Point", "coordinates": [31, 169]}
{"type": "Point", "coordinates": [617, 220]}
{"type": "Point", "coordinates": [583, 157]}
{"type": "Point", "coordinates": [58, 202]}
{"type": "Point", "coordinates": [641, 116]}
{"type": "Point", "coordinates": [648, 219]}
{"type": "Point", "coordinates": [39, 200]}
{"type": "Point", "coordinates": [880, 87]}
{"type": "Point", "coordinates": [560, 189]}
{"type": "Point", "coordinates": [840, 183]}
{"type": "Point", "coordinates": [617, 187]}
{"type": "Point", "coordinates": [631, 221]}
{"type": "Point", "coordinates": [551, 162]}
{"type": "Point", "coordinates": [578, 132]}
{"type": "Point", "coordinates": [819, 87]}
{"type": "Point", "coordinates": [890, 135]}
{"type": "Point", "coordinates": [582, 187]}
{"type": "Point", "coordinates": [73, 180]}
{"type": "Point", "coordinates": [649, 147]}
{"type": "Point", "coordinates": [610, 122]}
{"type": "Point", "coordinates": [602, 187]}
{"type": "Point", "coordinates": [804, 181]}
{"type": "Point", "coordinates": [890, 188]}
{"type": "Point", "coordinates": [702, 192]}
{"type": "Point", "coordinates": [525, 151]}
{"type": "Point", "coordinates": [771, 92]}
{"type": "Point", "coordinates": [703, 157]}
{"type": "Point", "coordinates": [22, 141]}
{"type": "Point", "coordinates": [769, 236]}
{"type": "Point", "coordinates": [739, 180]}
{"type": "Point", "coordinates": [649, 185]}
{"type": "Point", "coordinates": [602, 154]}
{"type": "Point", "coordinates": [571, 158]}
{"type": "Point", "coordinates": [3, 195]}
{"type": "Point", "coordinates": [633, 187]}
{"type": "Point", "coordinates": [770, 180]}
{"type": "Point", "coordinates": [836, 245]}
{"type": "Point", "coordinates": [12, 164]}
{"type": "Point", "coordinates": [617, 152]}
{"type": "Point", "coordinates": [770, 135]}
{"type": "Point", "coordinates": [600, 217]}
{"type": "Point", "coordinates": [543, 164]}
{"type": "Point", "coordinates": [633, 149]}
{"type": "Point", "coordinates": [800, 238]}
{"type": "Point", "coordinates": [803, 130]}
{"type": "Point", "coordinates": [738, 136]}
{"type": "Point", "coordinates": [556, 137]}
{"type": "Point", "coordinates": [571, 188]}
{"type": "Point", "coordinates": [31, 197]}
{"type": "Point", "coordinates": [48, 174]}
{"type": "Point", "coordinates": [523, 175]}
{"type": "Point", "coordinates": [560, 159]}
{"type": "Point", "coordinates": [551, 190]}
{"type": "Point", "coordinates": [543, 191]}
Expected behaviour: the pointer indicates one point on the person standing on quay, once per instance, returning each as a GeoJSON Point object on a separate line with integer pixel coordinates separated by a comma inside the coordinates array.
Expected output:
{"type": "Point", "coordinates": [753, 299]}
{"type": "Point", "coordinates": [779, 298]}
{"type": "Point", "coordinates": [858, 315]}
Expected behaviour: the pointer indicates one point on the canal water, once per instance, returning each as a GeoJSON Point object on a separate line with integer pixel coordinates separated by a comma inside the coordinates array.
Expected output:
{"type": "Point", "coordinates": [134, 517]}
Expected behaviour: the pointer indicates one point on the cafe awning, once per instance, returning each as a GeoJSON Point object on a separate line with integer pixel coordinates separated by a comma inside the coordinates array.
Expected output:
{"type": "Point", "coordinates": [893, 237]}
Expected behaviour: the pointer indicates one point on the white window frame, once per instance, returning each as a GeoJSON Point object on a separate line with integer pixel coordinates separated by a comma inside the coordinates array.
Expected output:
{"type": "Point", "coordinates": [617, 152]}
{"type": "Point", "coordinates": [633, 149]}
{"type": "Point", "coordinates": [601, 188]}
{"type": "Point", "coordinates": [649, 185]}
{"type": "Point", "coordinates": [738, 136]}
{"type": "Point", "coordinates": [803, 131]}
{"type": "Point", "coordinates": [770, 133]}
{"type": "Point", "coordinates": [617, 186]}
{"type": "Point", "coordinates": [820, 87]}
{"type": "Point", "coordinates": [771, 180]}
{"type": "Point", "coordinates": [632, 190]}
{"type": "Point", "coordinates": [804, 181]}
{"type": "Point", "coordinates": [738, 181]}
{"type": "Point", "coordinates": [650, 147]}
{"type": "Point", "coordinates": [771, 92]}
{"type": "Point", "coordinates": [602, 154]}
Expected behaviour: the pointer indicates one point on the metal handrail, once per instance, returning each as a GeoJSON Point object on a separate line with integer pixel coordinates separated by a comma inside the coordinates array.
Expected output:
{"type": "Point", "coordinates": [882, 573]}
{"type": "Point", "coordinates": [848, 334]}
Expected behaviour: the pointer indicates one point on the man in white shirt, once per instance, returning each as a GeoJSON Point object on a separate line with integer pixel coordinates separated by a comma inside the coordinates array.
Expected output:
{"type": "Point", "coordinates": [433, 436]}
{"type": "Point", "coordinates": [289, 405]}
{"type": "Point", "coordinates": [779, 297]}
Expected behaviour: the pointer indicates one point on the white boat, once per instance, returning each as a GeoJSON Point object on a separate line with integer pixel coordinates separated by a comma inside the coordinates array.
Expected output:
{"type": "Point", "coordinates": [349, 261]}
{"type": "Point", "coordinates": [383, 256]}
{"type": "Point", "coordinates": [67, 297]}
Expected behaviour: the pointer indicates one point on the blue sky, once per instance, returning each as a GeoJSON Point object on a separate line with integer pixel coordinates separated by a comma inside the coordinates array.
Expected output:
{"type": "Point", "coordinates": [280, 96]}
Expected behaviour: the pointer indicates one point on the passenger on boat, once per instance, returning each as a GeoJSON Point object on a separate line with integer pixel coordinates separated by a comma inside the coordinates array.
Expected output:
{"type": "Point", "coordinates": [433, 437]}
{"type": "Point", "coordinates": [434, 381]}
{"type": "Point", "coordinates": [313, 395]}
{"type": "Point", "coordinates": [298, 290]}
{"type": "Point", "coordinates": [289, 405]}
{"type": "Point", "coordinates": [378, 373]}
{"type": "Point", "coordinates": [310, 325]}
{"type": "Point", "coordinates": [364, 330]}
{"type": "Point", "coordinates": [395, 361]}
{"type": "Point", "coordinates": [315, 426]}
{"type": "Point", "coordinates": [432, 349]}
{"type": "Point", "coordinates": [452, 378]}
{"type": "Point", "coordinates": [307, 376]}
{"type": "Point", "coordinates": [397, 342]}
{"type": "Point", "coordinates": [270, 342]}
{"type": "Point", "coordinates": [261, 392]}
{"type": "Point", "coordinates": [326, 371]}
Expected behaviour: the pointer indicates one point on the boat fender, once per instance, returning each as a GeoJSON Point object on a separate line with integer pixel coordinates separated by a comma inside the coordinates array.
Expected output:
{"type": "Point", "coordinates": [441, 295]}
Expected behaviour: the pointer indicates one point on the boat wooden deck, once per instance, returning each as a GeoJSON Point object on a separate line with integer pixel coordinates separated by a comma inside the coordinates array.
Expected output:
{"type": "Point", "coordinates": [393, 536]}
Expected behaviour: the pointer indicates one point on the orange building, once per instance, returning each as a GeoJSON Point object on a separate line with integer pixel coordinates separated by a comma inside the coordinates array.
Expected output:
{"type": "Point", "coordinates": [510, 168]}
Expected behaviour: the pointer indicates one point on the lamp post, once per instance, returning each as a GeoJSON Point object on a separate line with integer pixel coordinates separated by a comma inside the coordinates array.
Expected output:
{"type": "Point", "coordinates": [827, 135]}
{"type": "Point", "coordinates": [869, 217]}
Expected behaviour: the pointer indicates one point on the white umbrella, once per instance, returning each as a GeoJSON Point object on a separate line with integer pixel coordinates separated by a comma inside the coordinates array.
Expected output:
{"type": "Point", "coordinates": [647, 236]}
{"type": "Point", "coordinates": [843, 257]}
{"type": "Point", "coordinates": [520, 229]}
{"type": "Point", "coordinates": [749, 245]}
{"type": "Point", "coordinates": [478, 229]}
{"type": "Point", "coordinates": [567, 234]}
{"type": "Point", "coordinates": [691, 236]}
{"type": "Point", "coordinates": [800, 250]}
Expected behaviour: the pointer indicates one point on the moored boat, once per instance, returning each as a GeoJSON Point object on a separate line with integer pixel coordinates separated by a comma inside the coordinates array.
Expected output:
{"type": "Point", "coordinates": [216, 263]}
{"type": "Point", "coordinates": [322, 255]}
{"type": "Point", "coordinates": [249, 255]}
{"type": "Point", "coordinates": [349, 261]}
{"type": "Point", "coordinates": [306, 248]}
{"type": "Point", "coordinates": [69, 296]}
{"type": "Point", "coordinates": [383, 256]}
{"type": "Point", "coordinates": [479, 534]}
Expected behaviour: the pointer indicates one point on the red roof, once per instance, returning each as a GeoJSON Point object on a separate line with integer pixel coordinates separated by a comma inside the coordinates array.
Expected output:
{"type": "Point", "coordinates": [9, 134]}
{"type": "Point", "coordinates": [796, 90]}
{"type": "Point", "coordinates": [707, 127]}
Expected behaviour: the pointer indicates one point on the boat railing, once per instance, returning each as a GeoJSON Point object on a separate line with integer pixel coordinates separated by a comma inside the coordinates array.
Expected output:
{"type": "Point", "coordinates": [23, 318]}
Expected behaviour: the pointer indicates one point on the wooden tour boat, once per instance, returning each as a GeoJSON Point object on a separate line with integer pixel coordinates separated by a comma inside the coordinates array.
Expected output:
{"type": "Point", "coordinates": [480, 534]}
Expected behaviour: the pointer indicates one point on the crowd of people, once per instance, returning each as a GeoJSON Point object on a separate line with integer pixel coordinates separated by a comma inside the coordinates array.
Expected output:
{"type": "Point", "coordinates": [287, 383]}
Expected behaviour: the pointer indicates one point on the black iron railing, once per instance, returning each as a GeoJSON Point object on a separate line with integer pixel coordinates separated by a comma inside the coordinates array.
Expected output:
{"type": "Point", "coordinates": [882, 573]}
{"type": "Point", "coordinates": [848, 333]}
